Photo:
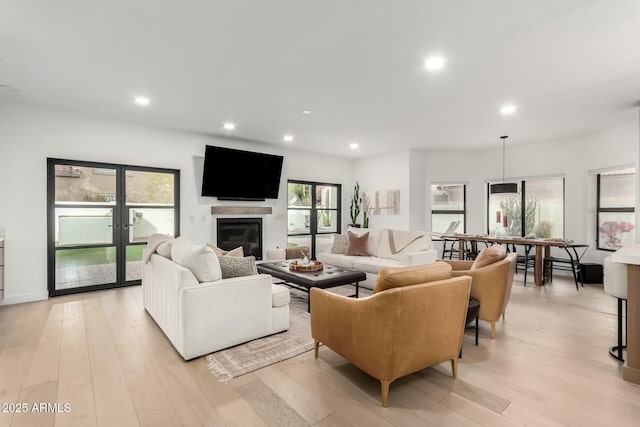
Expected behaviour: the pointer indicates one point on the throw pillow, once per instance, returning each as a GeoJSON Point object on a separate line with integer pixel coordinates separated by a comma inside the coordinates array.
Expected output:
{"type": "Point", "coordinates": [297, 252]}
{"type": "Point", "coordinates": [489, 256]}
{"type": "Point", "coordinates": [238, 267]}
{"type": "Point", "coordinates": [203, 263]}
{"type": "Point", "coordinates": [375, 238]}
{"type": "Point", "coordinates": [180, 248]}
{"type": "Point", "coordinates": [357, 245]}
{"type": "Point", "coordinates": [340, 242]}
{"type": "Point", "coordinates": [164, 249]}
{"type": "Point", "coordinates": [405, 276]}
{"type": "Point", "coordinates": [239, 251]}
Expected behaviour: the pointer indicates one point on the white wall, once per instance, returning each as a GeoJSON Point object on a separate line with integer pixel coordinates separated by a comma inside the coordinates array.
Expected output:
{"type": "Point", "coordinates": [28, 135]}
{"type": "Point", "coordinates": [389, 171]}
{"type": "Point", "coordinates": [418, 192]}
{"type": "Point", "coordinates": [573, 158]}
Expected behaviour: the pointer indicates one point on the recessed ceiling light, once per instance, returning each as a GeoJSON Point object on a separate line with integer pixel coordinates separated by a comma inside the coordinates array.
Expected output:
{"type": "Point", "coordinates": [354, 145]}
{"type": "Point", "coordinates": [434, 63]}
{"type": "Point", "coordinates": [508, 109]}
{"type": "Point", "coordinates": [287, 138]}
{"type": "Point", "coordinates": [142, 100]}
{"type": "Point", "coordinates": [229, 126]}
{"type": "Point", "coordinates": [307, 112]}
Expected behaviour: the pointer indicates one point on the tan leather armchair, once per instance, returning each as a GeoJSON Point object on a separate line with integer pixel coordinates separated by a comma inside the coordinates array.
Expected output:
{"type": "Point", "coordinates": [492, 273]}
{"type": "Point", "coordinates": [415, 318]}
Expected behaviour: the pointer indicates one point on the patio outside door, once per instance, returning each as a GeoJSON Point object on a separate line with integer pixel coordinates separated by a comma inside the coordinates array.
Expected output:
{"type": "Point", "coordinates": [99, 218]}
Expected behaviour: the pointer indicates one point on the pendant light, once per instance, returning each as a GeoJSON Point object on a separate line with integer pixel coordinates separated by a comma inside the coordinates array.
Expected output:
{"type": "Point", "coordinates": [503, 187]}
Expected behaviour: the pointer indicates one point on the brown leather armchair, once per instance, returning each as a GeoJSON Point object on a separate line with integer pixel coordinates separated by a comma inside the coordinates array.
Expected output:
{"type": "Point", "coordinates": [492, 273]}
{"type": "Point", "coordinates": [415, 318]}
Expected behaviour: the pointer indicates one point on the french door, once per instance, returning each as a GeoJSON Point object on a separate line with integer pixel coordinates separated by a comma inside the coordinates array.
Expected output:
{"type": "Point", "coordinates": [99, 216]}
{"type": "Point", "coordinates": [313, 214]}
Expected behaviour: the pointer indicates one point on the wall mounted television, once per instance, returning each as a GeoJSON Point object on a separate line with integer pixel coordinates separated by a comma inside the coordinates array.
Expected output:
{"type": "Point", "coordinates": [240, 175]}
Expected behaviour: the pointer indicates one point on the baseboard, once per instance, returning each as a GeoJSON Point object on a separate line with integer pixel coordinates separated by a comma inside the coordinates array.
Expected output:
{"type": "Point", "coordinates": [20, 298]}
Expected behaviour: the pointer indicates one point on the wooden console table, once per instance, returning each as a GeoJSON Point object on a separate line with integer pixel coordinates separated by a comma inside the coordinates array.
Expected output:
{"type": "Point", "coordinates": [630, 255]}
{"type": "Point", "coordinates": [540, 245]}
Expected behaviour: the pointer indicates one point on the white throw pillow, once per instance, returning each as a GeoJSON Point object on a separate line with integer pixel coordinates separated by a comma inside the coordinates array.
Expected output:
{"type": "Point", "coordinates": [180, 248]}
{"type": "Point", "coordinates": [203, 263]}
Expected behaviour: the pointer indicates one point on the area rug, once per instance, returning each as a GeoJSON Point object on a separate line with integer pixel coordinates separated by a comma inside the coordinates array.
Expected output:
{"type": "Point", "coordinates": [244, 358]}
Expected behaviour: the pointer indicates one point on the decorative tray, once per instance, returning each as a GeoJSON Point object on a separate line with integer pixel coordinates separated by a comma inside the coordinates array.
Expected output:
{"type": "Point", "coordinates": [317, 265]}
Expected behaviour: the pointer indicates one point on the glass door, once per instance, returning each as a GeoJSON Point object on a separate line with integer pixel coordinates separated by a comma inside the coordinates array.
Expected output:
{"type": "Point", "coordinates": [150, 207]}
{"type": "Point", "coordinates": [313, 214]}
{"type": "Point", "coordinates": [99, 218]}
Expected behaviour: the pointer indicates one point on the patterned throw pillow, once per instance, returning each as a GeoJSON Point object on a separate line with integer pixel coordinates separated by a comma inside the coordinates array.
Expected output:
{"type": "Point", "coordinates": [237, 267]}
{"type": "Point", "coordinates": [297, 252]}
{"type": "Point", "coordinates": [340, 242]}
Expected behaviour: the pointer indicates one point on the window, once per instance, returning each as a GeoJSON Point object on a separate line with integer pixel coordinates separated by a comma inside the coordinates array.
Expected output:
{"type": "Point", "coordinates": [313, 214]}
{"type": "Point", "coordinates": [537, 210]}
{"type": "Point", "coordinates": [616, 214]}
{"type": "Point", "coordinates": [448, 208]}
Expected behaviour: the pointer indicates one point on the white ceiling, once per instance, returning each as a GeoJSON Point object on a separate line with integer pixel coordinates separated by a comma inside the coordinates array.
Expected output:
{"type": "Point", "coordinates": [571, 66]}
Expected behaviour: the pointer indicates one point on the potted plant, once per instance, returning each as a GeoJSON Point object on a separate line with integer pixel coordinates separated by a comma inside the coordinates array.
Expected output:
{"type": "Point", "coordinates": [366, 207]}
{"type": "Point", "coordinates": [325, 218]}
{"type": "Point", "coordinates": [354, 210]}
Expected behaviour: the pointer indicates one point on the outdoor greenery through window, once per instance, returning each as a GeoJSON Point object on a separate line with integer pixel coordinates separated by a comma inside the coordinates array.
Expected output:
{"type": "Point", "coordinates": [313, 214]}
{"type": "Point", "coordinates": [536, 211]}
{"type": "Point", "coordinates": [448, 208]}
{"type": "Point", "coordinates": [616, 213]}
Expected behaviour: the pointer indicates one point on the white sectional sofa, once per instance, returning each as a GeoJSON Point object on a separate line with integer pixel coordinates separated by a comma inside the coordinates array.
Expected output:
{"type": "Point", "coordinates": [386, 248]}
{"type": "Point", "coordinates": [200, 318]}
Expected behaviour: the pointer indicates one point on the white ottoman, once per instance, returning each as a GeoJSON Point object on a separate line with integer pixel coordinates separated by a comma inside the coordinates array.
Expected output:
{"type": "Point", "coordinates": [280, 299]}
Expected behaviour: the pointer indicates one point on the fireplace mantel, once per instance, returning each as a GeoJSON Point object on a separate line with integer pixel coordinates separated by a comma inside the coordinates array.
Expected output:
{"type": "Point", "coordinates": [238, 210]}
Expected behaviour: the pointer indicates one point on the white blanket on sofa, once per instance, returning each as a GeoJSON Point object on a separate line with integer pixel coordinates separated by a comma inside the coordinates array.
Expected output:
{"type": "Point", "coordinates": [152, 244]}
{"type": "Point", "coordinates": [400, 239]}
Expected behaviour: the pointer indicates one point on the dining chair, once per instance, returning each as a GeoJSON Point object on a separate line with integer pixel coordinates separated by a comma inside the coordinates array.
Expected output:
{"type": "Point", "coordinates": [572, 263]}
{"type": "Point", "coordinates": [450, 246]}
{"type": "Point", "coordinates": [524, 261]}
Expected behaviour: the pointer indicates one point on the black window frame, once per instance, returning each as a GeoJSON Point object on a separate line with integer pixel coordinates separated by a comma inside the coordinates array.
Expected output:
{"type": "Point", "coordinates": [607, 210]}
{"type": "Point", "coordinates": [523, 203]}
{"type": "Point", "coordinates": [462, 212]}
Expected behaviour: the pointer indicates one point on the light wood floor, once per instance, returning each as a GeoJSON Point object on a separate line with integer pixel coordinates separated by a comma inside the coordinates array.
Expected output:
{"type": "Point", "coordinates": [105, 356]}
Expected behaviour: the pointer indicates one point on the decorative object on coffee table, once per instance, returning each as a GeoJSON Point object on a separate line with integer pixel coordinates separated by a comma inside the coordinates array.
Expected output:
{"type": "Point", "coordinates": [311, 266]}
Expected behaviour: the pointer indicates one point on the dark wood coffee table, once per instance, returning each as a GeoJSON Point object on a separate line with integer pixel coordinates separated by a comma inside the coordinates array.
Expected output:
{"type": "Point", "coordinates": [330, 276]}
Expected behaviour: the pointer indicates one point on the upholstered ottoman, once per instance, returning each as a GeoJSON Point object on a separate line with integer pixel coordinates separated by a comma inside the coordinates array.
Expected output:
{"type": "Point", "coordinates": [280, 302]}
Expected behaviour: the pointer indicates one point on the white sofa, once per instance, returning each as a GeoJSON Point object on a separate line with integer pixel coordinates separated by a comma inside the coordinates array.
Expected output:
{"type": "Point", "coordinates": [412, 248]}
{"type": "Point", "coordinates": [200, 318]}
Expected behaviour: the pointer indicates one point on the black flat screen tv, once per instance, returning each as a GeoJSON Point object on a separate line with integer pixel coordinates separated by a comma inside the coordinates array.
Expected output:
{"type": "Point", "coordinates": [240, 175]}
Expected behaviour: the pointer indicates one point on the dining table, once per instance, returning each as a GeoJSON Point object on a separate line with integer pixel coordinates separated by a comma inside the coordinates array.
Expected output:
{"type": "Point", "coordinates": [542, 247]}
